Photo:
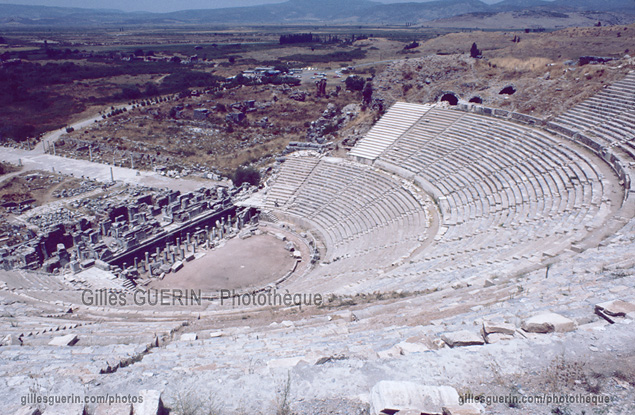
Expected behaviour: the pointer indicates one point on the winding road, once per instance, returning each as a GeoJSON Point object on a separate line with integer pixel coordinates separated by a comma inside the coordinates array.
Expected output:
{"type": "Point", "coordinates": [38, 159]}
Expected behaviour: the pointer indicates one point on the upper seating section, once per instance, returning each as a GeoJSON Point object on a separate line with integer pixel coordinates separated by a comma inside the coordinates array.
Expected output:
{"type": "Point", "coordinates": [399, 118]}
{"type": "Point", "coordinates": [608, 117]}
{"type": "Point", "coordinates": [507, 193]}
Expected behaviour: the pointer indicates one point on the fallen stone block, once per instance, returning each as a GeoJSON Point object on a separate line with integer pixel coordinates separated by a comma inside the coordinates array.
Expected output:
{"type": "Point", "coordinates": [68, 340]}
{"type": "Point", "coordinates": [151, 405]}
{"type": "Point", "coordinates": [504, 328]}
{"type": "Point", "coordinates": [216, 334]}
{"type": "Point", "coordinates": [114, 409]}
{"type": "Point", "coordinates": [393, 396]}
{"type": "Point", "coordinates": [616, 308]}
{"type": "Point", "coordinates": [547, 323]}
{"type": "Point", "coordinates": [188, 337]}
{"type": "Point", "coordinates": [87, 263]}
{"type": "Point", "coordinates": [176, 266]}
{"type": "Point", "coordinates": [462, 338]}
{"type": "Point", "coordinates": [103, 265]}
{"type": "Point", "coordinates": [10, 340]}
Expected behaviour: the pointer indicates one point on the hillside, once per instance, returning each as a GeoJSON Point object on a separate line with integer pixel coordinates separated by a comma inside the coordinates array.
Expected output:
{"type": "Point", "coordinates": [331, 11]}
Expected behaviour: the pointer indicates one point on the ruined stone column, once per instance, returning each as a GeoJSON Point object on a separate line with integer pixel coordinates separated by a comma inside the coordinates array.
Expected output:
{"type": "Point", "coordinates": [206, 232]}
{"type": "Point", "coordinates": [173, 257]}
{"type": "Point", "coordinates": [188, 238]}
{"type": "Point", "coordinates": [146, 265]}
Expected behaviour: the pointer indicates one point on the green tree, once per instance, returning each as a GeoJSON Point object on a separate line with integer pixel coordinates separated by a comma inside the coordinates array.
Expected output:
{"type": "Point", "coordinates": [368, 93]}
{"type": "Point", "coordinates": [354, 83]}
{"type": "Point", "coordinates": [246, 175]}
{"type": "Point", "coordinates": [130, 92]}
{"type": "Point", "coordinates": [151, 89]}
{"type": "Point", "coordinates": [474, 51]}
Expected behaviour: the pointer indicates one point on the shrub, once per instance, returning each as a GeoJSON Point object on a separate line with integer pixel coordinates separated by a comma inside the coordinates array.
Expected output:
{"type": "Point", "coordinates": [246, 175]}
{"type": "Point", "coordinates": [354, 83]}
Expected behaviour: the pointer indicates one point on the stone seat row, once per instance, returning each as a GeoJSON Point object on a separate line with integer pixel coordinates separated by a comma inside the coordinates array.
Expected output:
{"type": "Point", "coordinates": [293, 172]}
{"type": "Point", "coordinates": [395, 122]}
{"type": "Point", "coordinates": [355, 207]}
{"type": "Point", "coordinates": [506, 189]}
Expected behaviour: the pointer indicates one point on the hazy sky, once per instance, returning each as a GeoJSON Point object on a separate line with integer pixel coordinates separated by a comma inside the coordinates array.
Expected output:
{"type": "Point", "coordinates": [163, 5]}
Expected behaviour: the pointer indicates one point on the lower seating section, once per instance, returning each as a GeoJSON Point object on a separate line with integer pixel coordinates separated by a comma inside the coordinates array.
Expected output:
{"type": "Point", "coordinates": [294, 172]}
{"type": "Point", "coordinates": [361, 212]}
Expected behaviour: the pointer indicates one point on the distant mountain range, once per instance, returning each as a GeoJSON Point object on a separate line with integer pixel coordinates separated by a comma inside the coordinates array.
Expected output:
{"type": "Point", "coordinates": [302, 11]}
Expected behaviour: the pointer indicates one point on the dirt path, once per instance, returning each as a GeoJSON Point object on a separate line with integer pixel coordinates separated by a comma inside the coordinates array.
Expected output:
{"type": "Point", "coordinates": [38, 159]}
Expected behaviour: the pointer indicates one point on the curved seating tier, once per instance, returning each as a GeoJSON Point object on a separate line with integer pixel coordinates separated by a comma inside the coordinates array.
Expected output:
{"type": "Point", "coordinates": [397, 120]}
{"type": "Point", "coordinates": [507, 192]}
{"type": "Point", "coordinates": [360, 212]}
{"type": "Point", "coordinates": [608, 117]}
{"type": "Point", "coordinates": [509, 195]}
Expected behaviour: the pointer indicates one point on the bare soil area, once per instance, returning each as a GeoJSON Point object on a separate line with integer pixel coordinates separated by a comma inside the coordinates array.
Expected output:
{"type": "Point", "coordinates": [239, 264]}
